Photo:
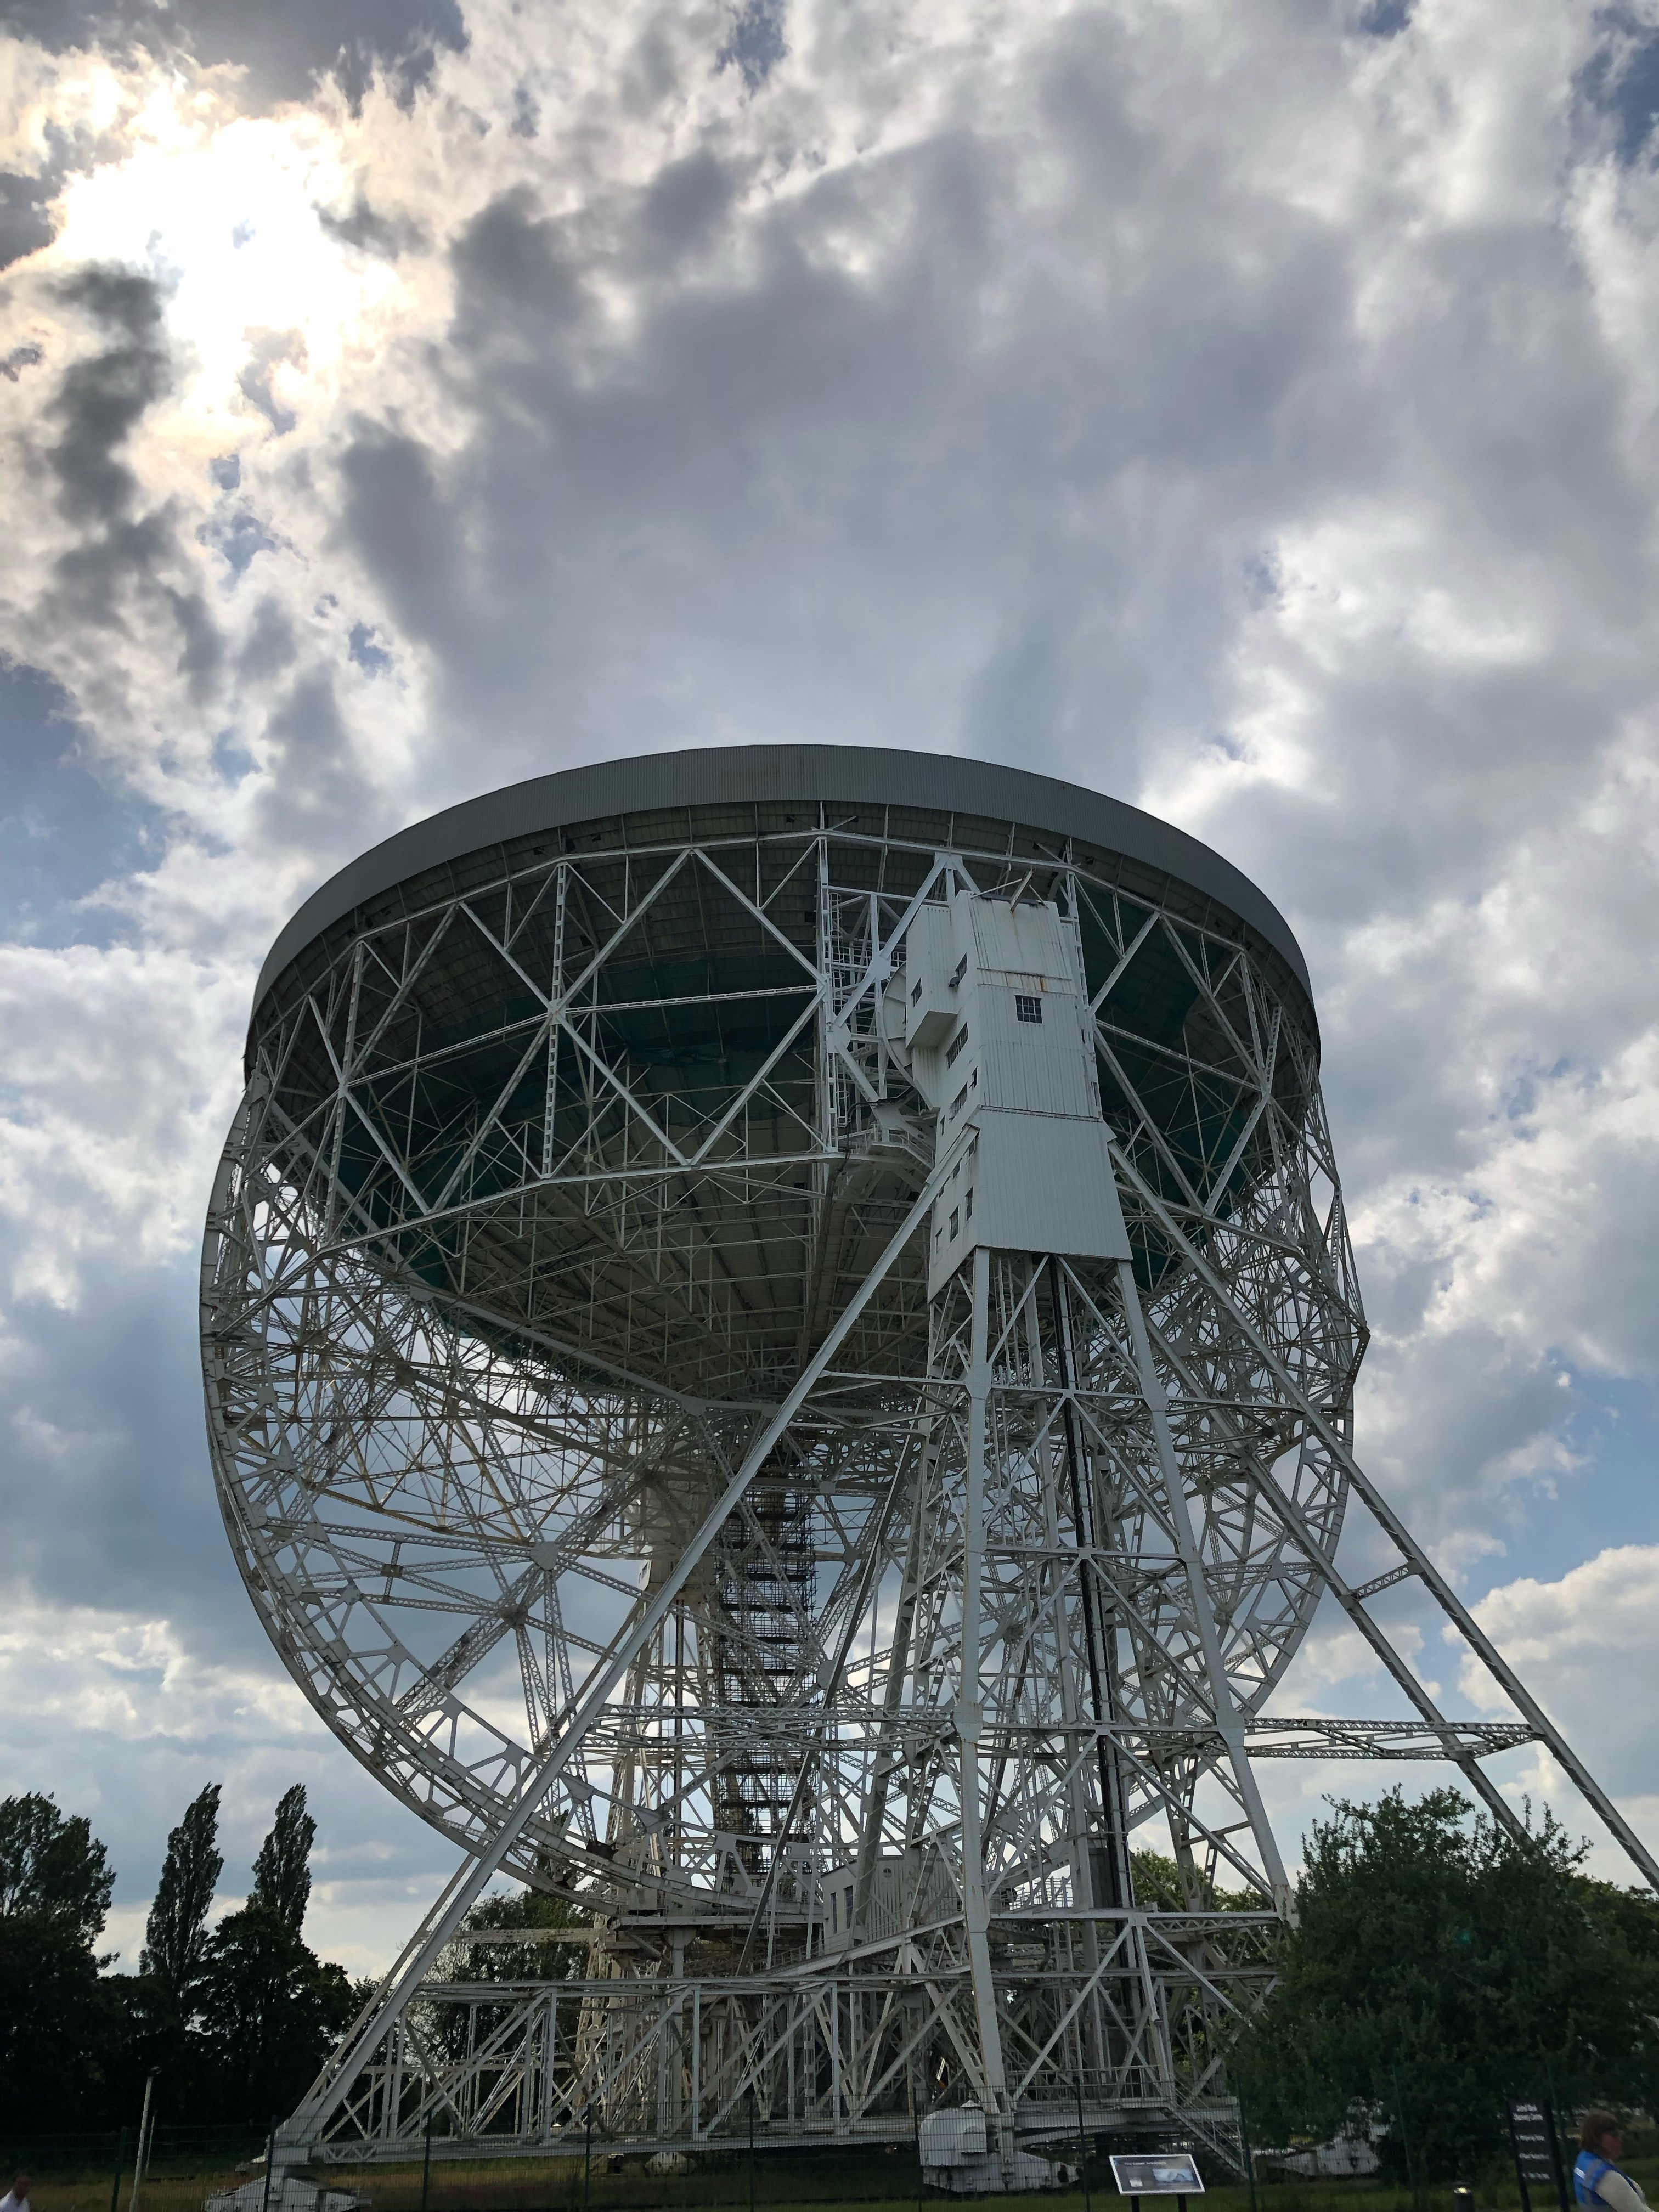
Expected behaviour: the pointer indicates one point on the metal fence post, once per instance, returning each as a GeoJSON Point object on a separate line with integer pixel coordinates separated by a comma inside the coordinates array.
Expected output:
{"type": "Point", "coordinates": [270, 2161]}
{"type": "Point", "coordinates": [120, 2161]}
{"type": "Point", "coordinates": [1251, 2158]}
{"type": "Point", "coordinates": [143, 2141]}
{"type": "Point", "coordinates": [1405, 2136]}
{"type": "Point", "coordinates": [751, 2147]}
{"type": "Point", "coordinates": [1565, 2156]}
{"type": "Point", "coordinates": [588, 2161]}
{"type": "Point", "coordinates": [1082, 2143]}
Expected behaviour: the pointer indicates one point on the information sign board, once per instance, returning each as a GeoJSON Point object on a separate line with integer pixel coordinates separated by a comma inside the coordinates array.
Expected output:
{"type": "Point", "coordinates": [1157, 2173]}
{"type": "Point", "coordinates": [1537, 2154]}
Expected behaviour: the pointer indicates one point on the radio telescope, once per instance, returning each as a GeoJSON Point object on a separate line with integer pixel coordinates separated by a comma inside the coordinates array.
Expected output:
{"type": "Point", "coordinates": [780, 1343]}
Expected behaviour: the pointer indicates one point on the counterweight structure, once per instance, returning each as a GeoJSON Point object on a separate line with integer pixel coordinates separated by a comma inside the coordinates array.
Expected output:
{"type": "Point", "coordinates": [780, 1343]}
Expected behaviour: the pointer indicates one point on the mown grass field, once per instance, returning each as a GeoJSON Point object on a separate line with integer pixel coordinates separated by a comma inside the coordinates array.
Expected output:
{"type": "Point", "coordinates": [882, 2181]}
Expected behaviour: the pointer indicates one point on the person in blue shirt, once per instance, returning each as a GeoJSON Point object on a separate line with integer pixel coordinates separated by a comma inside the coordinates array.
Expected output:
{"type": "Point", "coordinates": [1596, 2179]}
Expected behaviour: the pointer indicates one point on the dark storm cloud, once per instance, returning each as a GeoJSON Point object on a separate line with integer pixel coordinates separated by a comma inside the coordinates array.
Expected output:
{"type": "Point", "coordinates": [284, 50]}
{"type": "Point", "coordinates": [511, 253]}
{"type": "Point", "coordinates": [203, 648]}
{"type": "Point", "coordinates": [108, 1490]}
{"type": "Point", "coordinates": [25, 223]}
{"type": "Point", "coordinates": [394, 515]}
{"type": "Point", "coordinates": [101, 399]}
{"type": "Point", "coordinates": [315, 782]}
{"type": "Point", "coordinates": [126, 553]}
{"type": "Point", "coordinates": [1015, 703]}
{"type": "Point", "coordinates": [269, 647]}
{"type": "Point", "coordinates": [825, 428]}
{"type": "Point", "coordinates": [685, 202]}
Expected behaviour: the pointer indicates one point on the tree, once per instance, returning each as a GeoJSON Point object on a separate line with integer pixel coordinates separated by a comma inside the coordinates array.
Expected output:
{"type": "Point", "coordinates": [53, 1868]}
{"type": "Point", "coordinates": [533, 1961]}
{"type": "Point", "coordinates": [175, 1936]}
{"type": "Point", "coordinates": [530, 1910]}
{"type": "Point", "coordinates": [1439, 1952]}
{"type": "Point", "coordinates": [1160, 1887]}
{"type": "Point", "coordinates": [282, 1873]}
{"type": "Point", "coordinates": [270, 2011]}
{"type": "Point", "coordinates": [56, 2026]}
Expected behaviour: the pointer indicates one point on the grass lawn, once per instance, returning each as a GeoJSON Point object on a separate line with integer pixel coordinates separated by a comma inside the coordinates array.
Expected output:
{"type": "Point", "coordinates": [882, 2181]}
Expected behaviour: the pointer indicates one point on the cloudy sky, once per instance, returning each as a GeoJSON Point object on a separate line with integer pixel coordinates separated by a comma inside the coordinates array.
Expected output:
{"type": "Point", "coordinates": [1247, 407]}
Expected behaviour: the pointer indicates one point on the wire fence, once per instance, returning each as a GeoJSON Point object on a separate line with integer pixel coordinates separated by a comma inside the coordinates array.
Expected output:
{"type": "Point", "coordinates": [186, 2170]}
{"type": "Point", "coordinates": [97, 2173]}
{"type": "Point", "coordinates": [198, 2169]}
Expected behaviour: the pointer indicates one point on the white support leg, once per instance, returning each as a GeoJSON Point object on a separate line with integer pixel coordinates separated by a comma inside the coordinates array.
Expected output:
{"type": "Point", "coordinates": [1229, 1725]}
{"type": "Point", "coordinates": [1410, 1550]}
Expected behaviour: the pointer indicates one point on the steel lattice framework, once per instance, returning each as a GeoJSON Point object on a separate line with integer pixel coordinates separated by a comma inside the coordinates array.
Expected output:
{"type": "Point", "coordinates": [605, 1473]}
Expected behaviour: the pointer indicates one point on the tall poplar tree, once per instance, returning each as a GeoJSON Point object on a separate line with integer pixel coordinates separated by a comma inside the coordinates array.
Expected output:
{"type": "Point", "coordinates": [269, 2007]}
{"type": "Point", "coordinates": [175, 1936]}
{"type": "Point", "coordinates": [282, 1873]}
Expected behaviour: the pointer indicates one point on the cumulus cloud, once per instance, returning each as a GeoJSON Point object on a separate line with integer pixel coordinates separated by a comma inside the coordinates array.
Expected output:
{"type": "Point", "coordinates": [1588, 1636]}
{"type": "Point", "coordinates": [129, 1723]}
{"type": "Point", "coordinates": [1247, 414]}
{"type": "Point", "coordinates": [112, 1105]}
{"type": "Point", "coordinates": [1581, 1640]}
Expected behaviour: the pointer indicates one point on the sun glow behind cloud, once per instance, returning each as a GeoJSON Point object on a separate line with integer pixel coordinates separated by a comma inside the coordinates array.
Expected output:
{"type": "Point", "coordinates": [227, 217]}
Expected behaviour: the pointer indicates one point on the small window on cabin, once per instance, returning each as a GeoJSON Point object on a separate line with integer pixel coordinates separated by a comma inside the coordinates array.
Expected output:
{"type": "Point", "coordinates": [915, 991]}
{"type": "Point", "coordinates": [959, 1101]}
{"type": "Point", "coordinates": [967, 1210]}
{"type": "Point", "coordinates": [956, 1222]}
{"type": "Point", "coordinates": [850, 1911]}
{"type": "Point", "coordinates": [962, 969]}
{"type": "Point", "coordinates": [834, 1930]}
{"type": "Point", "coordinates": [957, 1044]}
{"type": "Point", "coordinates": [1026, 1009]}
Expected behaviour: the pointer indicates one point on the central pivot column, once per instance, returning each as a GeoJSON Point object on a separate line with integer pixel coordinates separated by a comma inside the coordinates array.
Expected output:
{"type": "Point", "coordinates": [976, 1905]}
{"type": "Point", "coordinates": [1028, 1244]}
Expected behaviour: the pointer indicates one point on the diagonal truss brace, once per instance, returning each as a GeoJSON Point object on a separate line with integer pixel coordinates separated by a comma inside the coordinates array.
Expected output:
{"type": "Point", "coordinates": [1415, 1559]}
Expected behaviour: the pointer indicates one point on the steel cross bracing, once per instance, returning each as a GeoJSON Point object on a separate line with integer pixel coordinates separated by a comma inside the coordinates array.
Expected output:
{"type": "Point", "coordinates": [602, 1471]}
